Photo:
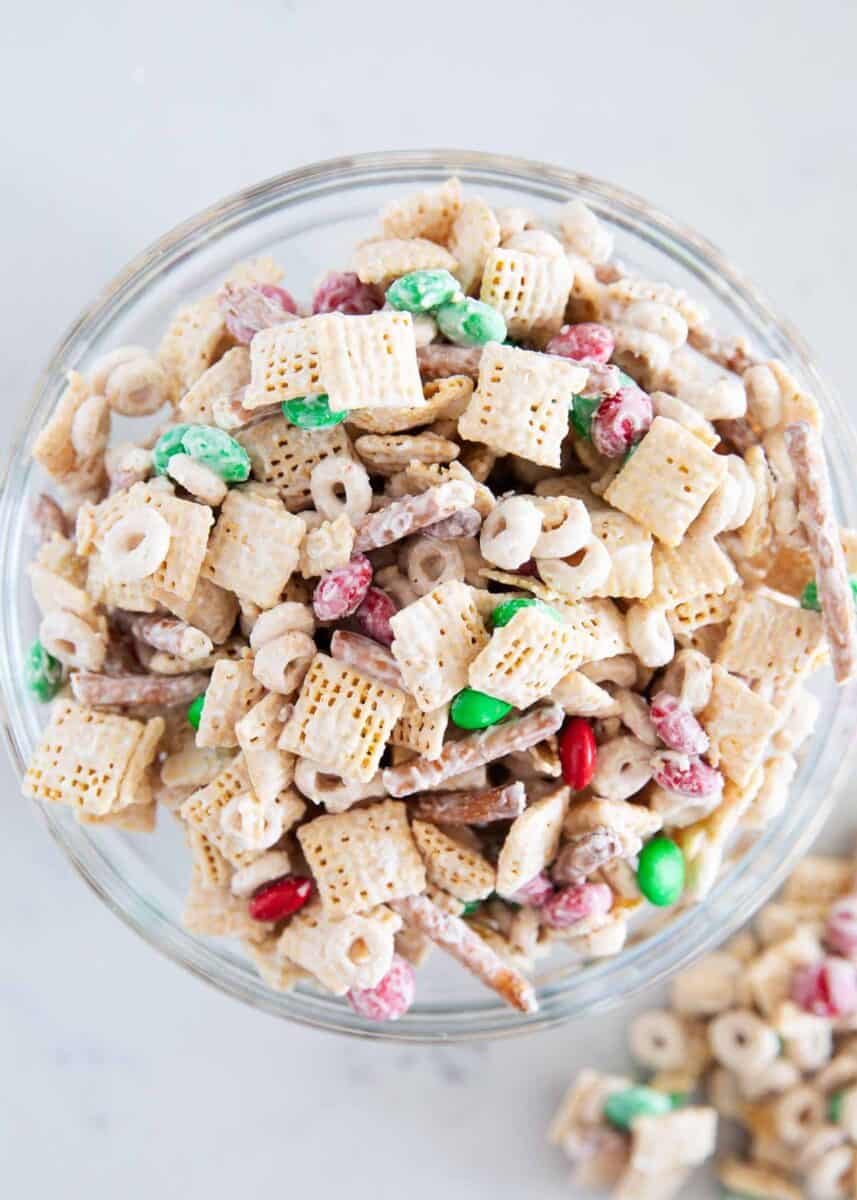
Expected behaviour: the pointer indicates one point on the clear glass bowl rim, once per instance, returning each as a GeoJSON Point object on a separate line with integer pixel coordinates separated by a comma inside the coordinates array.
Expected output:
{"type": "Point", "coordinates": [603, 984]}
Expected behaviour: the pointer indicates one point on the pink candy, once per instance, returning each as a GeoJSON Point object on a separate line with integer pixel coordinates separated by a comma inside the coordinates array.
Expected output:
{"type": "Point", "coordinates": [573, 904]}
{"type": "Point", "coordinates": [676, 725]}
{"type": "Point", "coordinates": [257, 306]}
{"type": "Point", "coordinates": [535, 892]}
{"type": "Point", "coordinates": [372, 618]}
{"type": "Point", "coordinates": [827, 989]}
{"type": "Point", "coordinates": [620, 421]}
{"type": "Point", "coordinates": [341, 593]}
{"type": "Point", "coordinates": [342, 291]}
{"type": "Point", "coordinates": [841, 931]}
{"type": "Point", "coordinates": [389, 999]}
{"type": "Point", "coordinates": [586, 341]}
{"type": "Point", "coordinates": [685, 774]}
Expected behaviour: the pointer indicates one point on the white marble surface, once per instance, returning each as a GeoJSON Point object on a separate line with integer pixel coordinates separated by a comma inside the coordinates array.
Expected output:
{"type": "Point", "coordinates": [122, 1075]}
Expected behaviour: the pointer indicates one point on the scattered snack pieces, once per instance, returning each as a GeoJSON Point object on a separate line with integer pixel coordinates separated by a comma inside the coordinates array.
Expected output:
{"type": "Point", "coordinates": [761, 1030]}
{"type": "Point", "coordinates": [469, 602]}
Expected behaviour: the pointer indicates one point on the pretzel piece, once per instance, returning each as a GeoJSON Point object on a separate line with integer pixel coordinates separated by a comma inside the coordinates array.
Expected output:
{"type": "Point", "coordinates": [412, 513]}
{"type": "Point", "coordinates": [474, 751]}
{"type": "Point", "coordinates": [478, 807]}
{"type": "Point", "coordinates": [368, 657]}
{"type": "Point", "coordinates": [453, 935]}
{"type": "Point", "coordinates": [815, 507]}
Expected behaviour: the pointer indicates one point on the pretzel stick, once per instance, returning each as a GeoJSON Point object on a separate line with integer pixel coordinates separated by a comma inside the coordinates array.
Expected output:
{"type": "Point", "coordinates": [456, 757]}
{"type": "Point", "coordinates": [478, 807]}
{"type": "Point", "coordinates": [95, 690]}
{"type": "Point", "coordinates": [366, 656]}
{"type": "Point", "coordinates": [733, 353]}
{"type": "Point", "coordinates": [406, 516]}
{"type": "Point", "coordinates": [738, 433]}
{"type": "Point", "coordinates": [815, 508]}
{"type": "Point", "coordinates": [49, 518]}
{"type": "Point", "coordinates": [453, 935]}
{"type": "Point", "coordinates": [439, 362]}
{"type": "Point", "coordinates": [166, 633]}
{"type": "Point", "coordinates": [584, 854]}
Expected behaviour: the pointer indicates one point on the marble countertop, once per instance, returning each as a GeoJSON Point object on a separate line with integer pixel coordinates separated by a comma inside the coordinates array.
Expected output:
{"type": "Point", "coordinates": [122, 1074]}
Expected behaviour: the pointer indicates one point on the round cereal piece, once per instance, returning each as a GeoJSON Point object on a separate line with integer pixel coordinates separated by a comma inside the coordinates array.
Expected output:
{"type": "Point", "coordinates": [332, 791]}
{"type": "Point", "coordinates": [797, 1112]}
{"type": "Point", "coordinates": [650, 635]}
{"type": "Point", "coordinates": [689, 677]}
{"type": "Point", "coordinates": [198, 479]}
{"type": "Point", "coordinates": [764, 397]}
{"type": "Point", "coordinates": [535, 241]}
{"type": "Point", "coordinates": [131, 380]}
{"type": "Point", "coordinates": [830, 1177]}
{"type": "Point", "coordinates": [510, 532]}
{"type": "Point", "coordinates": [658, 1040]}
{"type": "Point", "coordinates": [256, 874]}
{"type": "Point", "coordinates": [566, 527]}
{"type": "Point", "coordinates": [251, 824]}
{"type": "Point", "coordinates": [812, 1050]}
{"type": "Point", "coordinates": [341, 485]}
{"type": "Point", "coordinates": [281, 663]}
{"type": "Point", "coordinates": [745, 492]}
{"type": "Point", "coordinates": [67, 637]}
{"type": "Point", "coordinates": [282, 618]}
{"type": "Point", "coordinates": [90, 427]}
{"type": "Point", "coordinates": [624, 768]}
{"type": "Point", "coordinates": [136, 545]}
{"type": "Point", "coordinates": [580, 575]}
{"type": "Point", "coordinates": [742, 1041]}
{"type": "Point", "coordinates": [429, 563]}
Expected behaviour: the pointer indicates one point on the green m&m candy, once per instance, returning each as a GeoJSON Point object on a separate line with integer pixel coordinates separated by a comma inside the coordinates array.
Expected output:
{"type": "Point", "coordinates": [504, 612]}
{"type": "Point", "coordinates": [661, 871]}
{"type": "Point", "coordinates": [582, 410]}
{"type": "Point", "coordinates": [44, 673]}
{"type": "Point", "coordinates": [422, 291]}
{"type": "Point", "coordinates": [474, 710]}
{"type": "Point", "coordinates": [809, 596]}
{"type": "Point", "coordinates": [834, 1107]}
{"type": "Point", "coordinates": [194, 712]}
{"type": "Point", "coordinates": [168, 444]}
{"type": "Point", "coordinates": [470, 323]}
{"type": "Point", "coordinates": [470, 908]}
{"type": "Point", "coordinates": [311, 412]}
{"type": "Point", "coordinates": [218, 451]}
{"type": "Point", "coordinates": [621, 1108]}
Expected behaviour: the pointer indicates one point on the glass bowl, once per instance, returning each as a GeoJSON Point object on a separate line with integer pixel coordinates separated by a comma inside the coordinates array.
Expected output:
{"type": "Point", "coordinates": [308, 220]}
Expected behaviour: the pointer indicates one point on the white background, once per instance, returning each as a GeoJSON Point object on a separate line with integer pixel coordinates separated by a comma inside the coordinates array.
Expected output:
{"type": "Point", "coordinates": [122, 1076]}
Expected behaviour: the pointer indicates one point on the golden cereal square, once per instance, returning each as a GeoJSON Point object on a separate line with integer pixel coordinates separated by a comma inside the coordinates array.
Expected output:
{"type": "Point", "coordinates": [697, 568]}
{"type": "Point", "coordinates": [475, 234]}
{"type": "Point", "coordinates": [371, 361]}
{"type": "Point", "coordinates": [428, 214]}
{"type": "Point", "coordinates": [270, 769]}
{"type": "Point", "coordinates": [286, 456]}
{"type": "Point", "coordinates": [530, 290]}
{"type": "Point", "coordinates": [385, 259]}
{"type": "Point", "coordinates": [459, 871]}
{"type": "Point", "coordinates": [285, 362]}
{"type": "Point", "coordinates": [362, 858]}
{"type": "Point", "coordinates": [630, 548]}
{"type": "Point", "coordinates": [421, 731]}
{"type": "Point", "coordinates": [526, 658]}
{"type": "Point", "coordinates": [598, 625]}
{"type": "Point", "coordinates": [739, 725]}
{"type": "Point", "coordinates": [521, 403]}
{"type": "Point", "coordinates": [667, 480]}
{"type": "Point", "coordinates": [53, 449]}
{"type": "Point", "coordinates": [342, 720]}
{"type": "Point", "coordinates": [210, 608]}
{"type": "Point", "coordinates": [232, 691]}
{"type": "Point", "coordinates": [770, 639]}
{"type": "Point", "coordinates": [192, 343]}
{"type": "Point", "coordinates": [82, 758]}
{"type": "Point", "coordinates": [254, 548]}
{"type": "Point", "coordinates": [436, 639]}
{"type": "Point", "coordinates": [229, 374]}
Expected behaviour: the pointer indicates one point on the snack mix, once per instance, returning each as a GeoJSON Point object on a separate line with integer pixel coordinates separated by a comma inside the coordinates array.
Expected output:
{"type": "Point", "coordinates": [470, 604]}
{"type": "Point", "coordinates": [765, 1029]}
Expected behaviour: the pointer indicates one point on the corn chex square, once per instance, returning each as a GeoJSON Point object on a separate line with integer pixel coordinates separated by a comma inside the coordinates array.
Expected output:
{"type": "Point", "coordinates": [667, 480]}
{"type": "Point", "coordinates": [229, 374]}
{"type": "Point", "coordinates": [521, 401]}
{"type": "Point", "coordinates": [421, 731]}
{"type": "Point", "coordinates": [215, 912]}
{"type": "Point", "coordinates": [698, 568]}
{"type": "Point", "coordinates": [707, 609]}
{"type": "Point", "coordinates": [232, 691]}
{"type": "Point", "coordinates": [134, 595]}
{"type": "Point", "coordinates": [768, 639]}
{"type": "Point", "coordinates": [85, 756]}
{"type": "Point", "coordinates": [342, 720]}
{"type": "Point", "coordinates": [285, 456]}
{"type": "Point", "coordinates": [532, 841]}
{"type": "Point", "coordinates": [739, 724]}
{"type": "Point", "coordinates": [526, 658]}
{"type": "Point", "coordinates": [475, 233]}
{"type": "Point", "coordinates": [192, 343]}
{"type": "Point", "coordinates": [599, 627]}
{"type": "Point", "coordinates": [371, 362]}
{"type": "Point", "coordinates": [461, 872]}
{"type": "Point", "coordinates": [428, 214]}
{"type": "Point", "coordinates": [385, 259]}
{"type": "Point", "coordinates": [209, 866]}
{"type": "Point", "coordinates": [530, 290]}
{"type": "Point", "coordinates": [630, 548]}
{"type": "Point", "coordinates": [362, 858]}
{"type": "Point", "coordinates": [436, 639]}
{"type": "Point", "coordinates": [254, 548]}
{"type": "Point", "coordinates": [270, 769]}
{"type": "Point", "coordinates": [211, 608]}
{"type": "Point", "coordinates": [286, 362]}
